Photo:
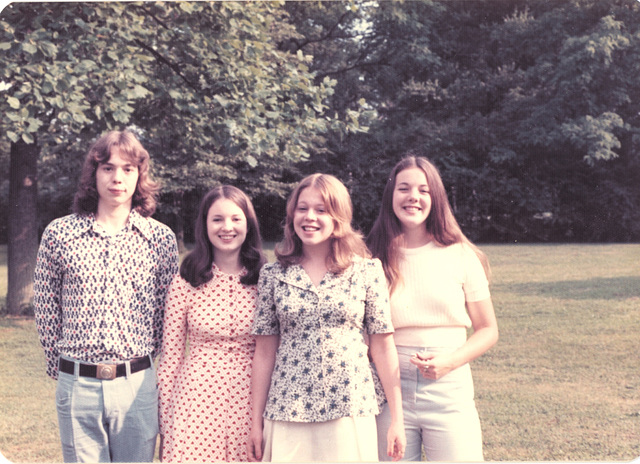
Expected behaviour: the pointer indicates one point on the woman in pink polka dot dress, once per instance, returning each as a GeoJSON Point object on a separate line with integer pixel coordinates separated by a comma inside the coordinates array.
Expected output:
{"type": "Point", "coordinates": [205, 369]}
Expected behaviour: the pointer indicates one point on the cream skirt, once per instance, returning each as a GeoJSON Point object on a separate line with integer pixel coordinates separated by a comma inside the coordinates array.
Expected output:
{"type": "Point", "coordinates": [338, 440]}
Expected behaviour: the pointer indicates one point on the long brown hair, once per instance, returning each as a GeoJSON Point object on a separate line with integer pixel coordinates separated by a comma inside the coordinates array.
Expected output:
{"type": "Point", "coordinates": [196, 268]}
{"type": "Point", "coordinates": [385, 238]}
{"type": "Point", "coordinates": [346, 243]}
{"type": "Point", "coordinates": [144, 197]}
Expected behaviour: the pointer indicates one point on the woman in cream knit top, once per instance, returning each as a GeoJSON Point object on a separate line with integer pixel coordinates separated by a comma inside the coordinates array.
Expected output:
{"type": "Point", "coordinates": [438, 281]}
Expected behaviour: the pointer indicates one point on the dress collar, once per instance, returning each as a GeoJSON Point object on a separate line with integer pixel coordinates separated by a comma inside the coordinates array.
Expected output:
{"type": "Point", "coordinates": [216, 271]}
{"type": "Point", "coordinates": [296, 276]}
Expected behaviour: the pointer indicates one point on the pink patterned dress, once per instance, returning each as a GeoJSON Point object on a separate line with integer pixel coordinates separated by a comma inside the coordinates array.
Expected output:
{"type": "Point", "coordinates": [205, 370]}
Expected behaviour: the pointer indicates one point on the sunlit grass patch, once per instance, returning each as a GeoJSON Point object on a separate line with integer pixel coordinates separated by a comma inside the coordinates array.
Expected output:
{"type": "Point", "coordinates": [562, 384]}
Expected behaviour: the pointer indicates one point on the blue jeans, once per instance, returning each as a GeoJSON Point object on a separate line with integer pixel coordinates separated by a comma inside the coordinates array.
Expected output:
{"type": "Point", "coordinates": [108, 420]}
{"type": "Point", "coordinates": [440, 416]}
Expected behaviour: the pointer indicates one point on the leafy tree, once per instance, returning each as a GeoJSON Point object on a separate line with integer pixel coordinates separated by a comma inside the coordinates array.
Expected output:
{"type": "Point", "coordinates": [572, 106]}
{"type": "Point", "coordinates": [59, 78]}
{"type": "Point", "coordinates": [339, 37]}
{"type": "Point", "coordinates": [529, 110]}
{"type": "Point", "coordinates": [203, 84]}
{"type": "Point", "coordinates": [228, 105]}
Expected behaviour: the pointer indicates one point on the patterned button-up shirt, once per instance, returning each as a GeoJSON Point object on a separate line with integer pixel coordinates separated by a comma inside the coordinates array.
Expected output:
{"type": "Point", "coordinates": [101, 297]}
{"type": "Point", "coordinates": [322, 370]}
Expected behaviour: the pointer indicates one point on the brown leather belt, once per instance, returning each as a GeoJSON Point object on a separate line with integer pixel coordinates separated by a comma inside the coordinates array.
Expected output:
{"type": "Point", "coordinates": [105, 371]}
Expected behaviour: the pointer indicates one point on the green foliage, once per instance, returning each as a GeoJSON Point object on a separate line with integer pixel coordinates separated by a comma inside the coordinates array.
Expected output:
{"type": "Point", "coordinates": [568, 114]}
{"type": "Point", "coordinates": [228, 105]}
{"type": "Point", "coordinates": [65, 81]}
{"type": "Point", "coordinates": [529, 110]}
{"type": "Point", "coordinates": [595, 136]}
{"type": "Point", "coordinates": [523, 107]}
{"type": "Point", "coordinates": [55, 58]}
{"type": "Point", "coordinates": [204, 85]}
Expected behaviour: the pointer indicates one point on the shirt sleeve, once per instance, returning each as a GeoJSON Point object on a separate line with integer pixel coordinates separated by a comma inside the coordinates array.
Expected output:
{"type": "Point", "coordinates": [476, 285]}
{"type": "Point", "coordinates": [377, 311]}
{"type": "Point", "coordinates": [265, 321]}
{"type": "Point", "coordinates": [47, 286]}
{"type": "Point", "coordinates": [173, 348]}
{"type": "Point", "coordinates": [167, 269]}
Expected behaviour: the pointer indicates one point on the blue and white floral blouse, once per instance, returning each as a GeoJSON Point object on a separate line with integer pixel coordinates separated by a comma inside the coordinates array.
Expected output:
{"type": "Point", "coordinates": [322, 370]}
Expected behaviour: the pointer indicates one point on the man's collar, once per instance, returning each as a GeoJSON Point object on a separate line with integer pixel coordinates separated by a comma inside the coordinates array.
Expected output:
{"type": "Point", "coordinates": [87, 222]}
{"type": "Point", "coordinates": [141, 223]}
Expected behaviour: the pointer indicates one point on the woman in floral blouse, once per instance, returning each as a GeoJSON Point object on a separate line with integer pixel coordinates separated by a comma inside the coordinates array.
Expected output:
{"type": "Point", "coordinates": [313, 393]}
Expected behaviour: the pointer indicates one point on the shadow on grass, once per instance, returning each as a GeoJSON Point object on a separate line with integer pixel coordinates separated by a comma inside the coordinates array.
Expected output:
{"type": "Point", "coordinates": [13, 322]}
{"type": "Point", "coordinates": [598, 288]}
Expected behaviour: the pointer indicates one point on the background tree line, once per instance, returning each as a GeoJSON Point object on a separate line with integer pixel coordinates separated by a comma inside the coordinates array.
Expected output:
{"type": "Point", "coordinates": [530, 109]}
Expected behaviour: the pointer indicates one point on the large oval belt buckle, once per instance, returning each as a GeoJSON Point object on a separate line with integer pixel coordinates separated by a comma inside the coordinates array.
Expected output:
{"type": "Point", "coordinates": [106, 371]}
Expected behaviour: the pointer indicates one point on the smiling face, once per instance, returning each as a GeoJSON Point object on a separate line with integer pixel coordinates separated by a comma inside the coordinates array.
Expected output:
{"type": "Point", "coordinates": [116, 180]}
{"type": "Point", "coordinates": [226, 226]}
{"type": "Point", "coordinates": [312, 223]}
{"type": "Point", "coordinates": [411, 199]}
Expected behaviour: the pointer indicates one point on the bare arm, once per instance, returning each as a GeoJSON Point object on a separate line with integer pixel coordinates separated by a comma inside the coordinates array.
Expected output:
{"type": "Point", "coordinates": [263, 361]}
{"type": "Point", "coordinates": [384, 354]}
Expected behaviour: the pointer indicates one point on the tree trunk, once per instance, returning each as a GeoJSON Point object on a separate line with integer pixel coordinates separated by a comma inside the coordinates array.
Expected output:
{"type": "Point", "coordinates": [179, 222]}
{"type": "Point", "coordinates": [23, 226]}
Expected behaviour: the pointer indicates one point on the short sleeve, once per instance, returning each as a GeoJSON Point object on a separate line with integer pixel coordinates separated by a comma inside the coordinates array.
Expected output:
{"type": "Point", "coordinates": [265, 321]}
{"type": "Point", "coordinates": [476, 285]}
{"type": "Point", "coordinates": [377, 308]}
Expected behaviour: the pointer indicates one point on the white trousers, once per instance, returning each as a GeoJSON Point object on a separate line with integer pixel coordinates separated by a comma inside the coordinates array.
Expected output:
{"type": "Point", "coordinates": [440, 416]}
{"type": "Point", "coordinates": [348, 439]}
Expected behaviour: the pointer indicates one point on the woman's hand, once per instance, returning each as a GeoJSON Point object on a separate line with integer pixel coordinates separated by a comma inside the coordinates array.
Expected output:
{"type": "Point", "coordinates": [484, 336]}
{"type": "Point", "coordinates": [254, 445]}
{"type": "Point", "coordinates": [434, 366]}
{"type": "Point", "coordinates": [396, 441]}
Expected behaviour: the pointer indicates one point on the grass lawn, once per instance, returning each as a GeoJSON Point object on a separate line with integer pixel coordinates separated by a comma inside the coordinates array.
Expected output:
{"type": "Point", "coordinates": [563, 383]}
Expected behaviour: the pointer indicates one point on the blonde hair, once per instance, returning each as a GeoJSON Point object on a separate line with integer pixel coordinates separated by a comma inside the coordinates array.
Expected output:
{"type": "Point", "coordinates": [346, 243]}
